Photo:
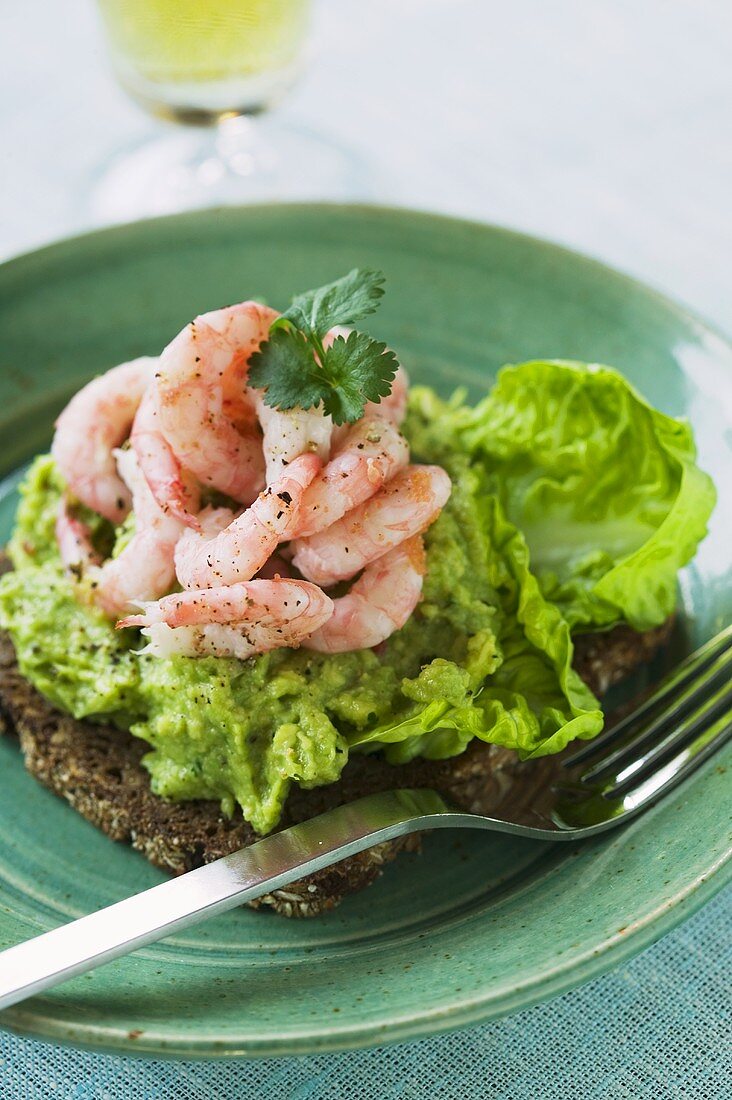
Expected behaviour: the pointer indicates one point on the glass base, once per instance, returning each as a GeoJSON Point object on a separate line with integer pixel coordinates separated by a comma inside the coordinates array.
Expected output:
{"type": "Point", "coordinates": [240, 160]}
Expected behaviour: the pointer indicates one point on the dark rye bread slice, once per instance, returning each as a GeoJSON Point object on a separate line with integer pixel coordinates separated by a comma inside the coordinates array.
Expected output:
{"type": "Point", "coordinates": [98, 770]}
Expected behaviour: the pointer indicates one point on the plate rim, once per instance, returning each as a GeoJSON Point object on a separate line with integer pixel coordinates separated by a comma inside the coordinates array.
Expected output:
{"type": "Point", "coordinates": [613, 952]}
{"type": "Point", "coordinates": [648, 288]}
{"type": "Point", "coordinates": [571, 973]}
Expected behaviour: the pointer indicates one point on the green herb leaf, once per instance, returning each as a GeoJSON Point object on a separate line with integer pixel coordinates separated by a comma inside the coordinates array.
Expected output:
{"type": "Point", "coordinates": [295, 369]}
{"type": "Point", "coordinates": [342, 302]}
{"type": "Point", "coordinates": [357, 369]}
{"type": "Point", "coordinates": [286, 368]}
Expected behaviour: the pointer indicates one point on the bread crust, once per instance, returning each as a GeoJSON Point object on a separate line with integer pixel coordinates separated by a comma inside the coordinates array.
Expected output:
{"type": "Point", "coordinates": [97, 769]}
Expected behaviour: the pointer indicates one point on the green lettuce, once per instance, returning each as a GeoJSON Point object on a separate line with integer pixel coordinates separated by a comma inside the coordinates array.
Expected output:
{"type": "Point", "coordinates": [515, 686]}
{"type": "Point", "coordinates": [604, 487]}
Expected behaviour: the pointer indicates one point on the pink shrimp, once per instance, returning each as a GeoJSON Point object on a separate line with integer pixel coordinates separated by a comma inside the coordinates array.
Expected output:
{"type": "Point", "coordinates": [380, 602]}
{"type": "Point", "coordinates": [95, 421]}
{"type": "Point", "coordinates": [238, 620]}
{"type": "Point", "coordinates": [200, 384]}
{"type": "Point", "coordinates": [74, 541]}
{"type": "Point", "coordinates": [144, 569]}
{"type": "Point", "coordinates": [406, 505]}
{"type": "Point", "coordinates": [291, 433]}
{"type": "Point", "coordinates": [240, 549]}
{"type": "Point", "coordinates": [370, 454]}
{"type": "Point", "coordinates": [159, 464]}
{"type": "Point", "coordinates": [212, 521]}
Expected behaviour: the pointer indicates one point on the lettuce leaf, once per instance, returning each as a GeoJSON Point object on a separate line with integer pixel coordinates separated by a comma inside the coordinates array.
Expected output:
{"type": "Point", "coordinates": [605, 488]}
{"type": "Point", "coordinates": [515, 687]}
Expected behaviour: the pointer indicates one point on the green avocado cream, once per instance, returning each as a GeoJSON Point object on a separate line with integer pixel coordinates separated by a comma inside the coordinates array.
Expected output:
{"type": "Point", "coordinates": [483, 655]}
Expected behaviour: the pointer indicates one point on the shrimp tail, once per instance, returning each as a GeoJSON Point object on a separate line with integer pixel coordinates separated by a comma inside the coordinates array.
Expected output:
{"type": "Point", "coordinates": [145, 616]}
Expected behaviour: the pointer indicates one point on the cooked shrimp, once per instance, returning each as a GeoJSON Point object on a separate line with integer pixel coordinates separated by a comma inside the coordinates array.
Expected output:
{"type": "Point", "coordinates": [158, 463]}
{"type": "Point", "coordinates": [95, 421]}
{"type": "Point", "coordinates": [291, 433]}
{"type": "Point", "coordinates": [380, 602]}
{"type": "Point", "coordinates": [145, 568]}
{"type": "Point", "coordinates": [371, 453]}
{"type": "Point", "coordinates": [267, 602]}
{"type": "Point", "coordinates": [406, 505]}
{"type": "Point", "coordinates": [237, 620]}
{"type": "Point", "coordinates": [240, 549]}
{"type": "Point", "coordinates": [209, 523]}
{"type": "Point", "coordinates": [74, 541]}
{"type": "Point", "coordinates": [200, 374]}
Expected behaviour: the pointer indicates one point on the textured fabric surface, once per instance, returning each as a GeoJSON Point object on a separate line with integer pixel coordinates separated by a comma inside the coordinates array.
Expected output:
{"type": "Point", "coordinates": [657, 1028]}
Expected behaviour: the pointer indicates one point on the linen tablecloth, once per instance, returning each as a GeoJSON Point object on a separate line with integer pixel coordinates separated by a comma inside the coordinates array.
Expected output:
{"type": "Point", "coordinates": [657, 1028]}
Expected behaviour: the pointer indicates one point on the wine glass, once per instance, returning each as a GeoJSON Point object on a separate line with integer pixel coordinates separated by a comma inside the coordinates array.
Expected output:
{"type": "Point", "coordinates": [212, 68]}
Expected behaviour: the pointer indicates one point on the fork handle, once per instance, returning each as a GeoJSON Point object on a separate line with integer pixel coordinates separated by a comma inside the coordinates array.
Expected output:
{"type": "Point", "coordinates": [269, 864]}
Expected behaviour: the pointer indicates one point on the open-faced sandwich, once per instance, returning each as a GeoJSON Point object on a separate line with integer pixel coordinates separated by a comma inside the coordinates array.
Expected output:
{"type": "Point", "coordinates": [259, 575]}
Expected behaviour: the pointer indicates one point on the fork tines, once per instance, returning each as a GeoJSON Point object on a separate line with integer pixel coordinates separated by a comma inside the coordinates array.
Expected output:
{"type": "Point", "coordinates": [669, 735]}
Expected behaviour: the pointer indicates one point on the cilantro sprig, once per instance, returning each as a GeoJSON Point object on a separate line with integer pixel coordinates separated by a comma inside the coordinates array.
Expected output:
{"type": "Point", "coordinates": [295, 369]}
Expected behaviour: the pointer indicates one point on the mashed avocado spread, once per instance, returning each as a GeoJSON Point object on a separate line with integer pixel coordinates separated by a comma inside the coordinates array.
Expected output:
{"type": "Point", "coordinates": [486, 654]}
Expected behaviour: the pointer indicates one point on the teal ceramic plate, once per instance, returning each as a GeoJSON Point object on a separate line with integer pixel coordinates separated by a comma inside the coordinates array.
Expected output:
{"type": "Point", "coordinates": [478, 926]}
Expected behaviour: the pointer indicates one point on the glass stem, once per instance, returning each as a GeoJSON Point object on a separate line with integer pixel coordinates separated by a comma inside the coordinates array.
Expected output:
{"type": "Point", "coordinates": [239, 146]}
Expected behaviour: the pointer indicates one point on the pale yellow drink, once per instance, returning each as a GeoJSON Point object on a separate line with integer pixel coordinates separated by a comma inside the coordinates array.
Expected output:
{"type": "Point", "coordinates": [208, 55]}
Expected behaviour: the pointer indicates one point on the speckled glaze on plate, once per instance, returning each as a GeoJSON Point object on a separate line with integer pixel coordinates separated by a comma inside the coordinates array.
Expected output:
{"type": "Point", "coordinates": [478, 926]}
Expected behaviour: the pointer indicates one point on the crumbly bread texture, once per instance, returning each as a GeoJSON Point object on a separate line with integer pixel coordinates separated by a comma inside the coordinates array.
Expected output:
{"type": "Point", "coordinates": [98, 770]}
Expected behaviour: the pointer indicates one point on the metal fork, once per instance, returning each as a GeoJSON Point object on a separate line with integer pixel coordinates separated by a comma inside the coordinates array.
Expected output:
{"type": "Point", "coordinates": [583, 792]}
